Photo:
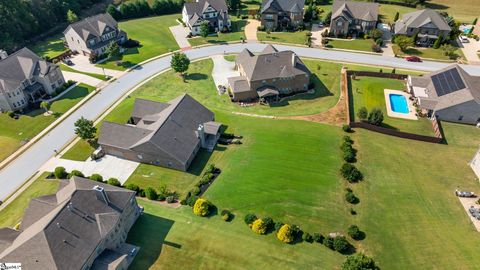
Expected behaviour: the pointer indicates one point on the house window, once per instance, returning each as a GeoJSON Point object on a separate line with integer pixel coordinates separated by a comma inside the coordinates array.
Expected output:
{"type": "Point", "coordinates": [460, 118]}
{"type": "Point", "coordinates": [264, 82]}
{"type": "Point", "coordinates": [140, 156]}
{"type": "Point", "coordinates": [269, 16]}
{"type": "Point", "coordinates": [339, 23]}
{"type": "Point", "coordinates": [59, 82]}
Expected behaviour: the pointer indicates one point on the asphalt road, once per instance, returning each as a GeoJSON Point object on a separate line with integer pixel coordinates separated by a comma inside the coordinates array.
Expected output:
{"type": "Point", "coordinates": [26, 165]}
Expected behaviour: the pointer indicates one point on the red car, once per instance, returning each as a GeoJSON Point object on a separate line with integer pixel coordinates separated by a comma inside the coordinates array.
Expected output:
{"type": "Point", "coordinates": [413, 59]}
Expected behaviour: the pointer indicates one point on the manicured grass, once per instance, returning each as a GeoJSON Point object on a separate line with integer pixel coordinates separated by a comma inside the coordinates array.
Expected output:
{"type": "Point", "coordinates": [369, 92]}
{"type": "Point", "coordinates": [95, 75]}
{"type": "Point", "coordinates": [354, 44]}
{"type": "Point", "coordinates": [50, 47]}
{"type": "Point", "coordinates": [230, 58]}
{"type": "Point", "coordinates": [236, 34]}
{"type": "Point", "coordinates": [425, 53]}
{"type": "Point", "coordinates": [13, 213]}
{"type": "Point", "coordinates": [387, 12]}
{"type": "Point", "coordinates": [298, 37]}
{"type": "Point", "coordinates": [15, 133]}
{"type": "Point", "coordinates": [155, 38]}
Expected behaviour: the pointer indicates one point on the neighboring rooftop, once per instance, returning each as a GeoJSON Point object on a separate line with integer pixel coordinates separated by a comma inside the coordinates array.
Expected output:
{"type": "Point", "coordinates": [355, 10]}
{"type": "Point", "coordinates": [196, 9]}
{"type": "Point", "coordinates": [294, 6]}
{"type": "Point", "coordinates": [421, 18]}
{"type": "Point", "coordinates": [94, 26]}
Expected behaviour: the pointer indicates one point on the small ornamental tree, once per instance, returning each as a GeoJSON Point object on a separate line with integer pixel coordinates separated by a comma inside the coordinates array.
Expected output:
{"type": "Point", "coordinates": [85, 129]}
{"type": "Point", "coordinates": [437, 42]}
{"type": "Point", "coordinates": [307, 237]}
{"type": "Point", "coordinates": [359, 262]}
{"type": "Point", "coordinates": [350, 197]}
{"type": "Point", "coordinates": [151, 193]}
{"type": "Point", "coordinates": [404, 42]}
{"type": "Point", "coordinates": [375, 117]}
{"type": "Point", "coordinates": [114, 182]}
{"type": "Point", "coordinates": [259, 226]}
{"type": "Point", "coordinates": [250, 218]}
{"type": "Point", "coordinates": [71, 16]}
{"type": "Point", "coordinates": [376, 34]}
{"type": "Point", "coordinates": [202, 207]}
{"type": "Point", "coordinates": [286, 234]}
{"type": "Point", "coordinates": [396, 16]}
{"type": "Point", "coordinates": [60, 173]}
{"type": "Point", "coordinates": [354, 232]}
{"type": "Point", "coordinates": [351, 173]}
{"type": "Point", "coordinates": [75, 173]}
{"type": "Point", "coordinates": [133, 187]}
{"type": "Point", "coordinates": [180, 63]}
{"type": "Point", "coordinates": [45, 105]}
{"type": "Point", "coordinates": [113, 51]}
{"type": "Point", "coordinates": [340, 244]}
{"type": "Point", "coordinates": [204, 29]}
{"type": "Point", "coordinates": [96, 177]}
{"type": "Point", "coordinates": [362, 113]}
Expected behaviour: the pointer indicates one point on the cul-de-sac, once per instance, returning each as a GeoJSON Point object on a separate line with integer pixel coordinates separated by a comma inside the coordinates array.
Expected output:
{"type": "Point", "coordinates": [239, 134]}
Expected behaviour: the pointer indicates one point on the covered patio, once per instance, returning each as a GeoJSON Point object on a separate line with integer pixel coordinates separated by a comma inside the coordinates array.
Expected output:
{"type": "Point", "coordinates": [268, 94]}
{"type": "Point", "coordinates": [35, 92]}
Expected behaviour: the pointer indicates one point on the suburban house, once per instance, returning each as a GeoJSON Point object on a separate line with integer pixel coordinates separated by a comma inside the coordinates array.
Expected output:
{"type": "Point", "coordinates": [268, 75]}
{"type": "Point", "coordinates": [83, 226]}
{"type": "Point", "coordinates": [353, 18]}
{"type": "Point", "coordinates": [281, 13]}
{"type": "Point", "coordinates": [25, 79]}
{"type": "Point", "coordinates": [427, 24]}
{"type": "Point", "coordinates": [450, 94]}
{"type": "Point", "coordinates": [475, 164]}
{"type": "Point", "coordinates": [93, 35]}
{"type": "Point", "coordinates": [163, 134]}
{"type": "Point", "coordinates": [215, 12]}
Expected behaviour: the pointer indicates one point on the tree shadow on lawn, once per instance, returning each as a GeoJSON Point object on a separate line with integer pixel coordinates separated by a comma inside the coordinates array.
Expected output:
{"type": "Point", "coordinates": [196, 76]}
{"type": "Point", "coordinates": [435, 6]}
{"type": "Point", "coordinates": [149, 232]}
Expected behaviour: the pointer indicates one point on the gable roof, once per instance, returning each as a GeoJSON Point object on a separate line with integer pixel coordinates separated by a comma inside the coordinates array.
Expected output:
{"type": "Point", "coordinates": [294, 6]}
{"type": "Point", "coordinates": [19, 66]}
{"type": "Point", "coordinates": [271, 64]}
{"type": "Point", "coordinates": [67, 235]}
{"type": "Point", "coordinates": [449, 87]}
{"type": "Point", "coordinates": [419, 18]}
{"type": "Point", "coordinates": [355, 10]}
{"type": "Point", "coordinates": [195, 10]}
{"type": "Point", "coordinates": [171, 130]}
{"type": "Point", "coordinates": [94, 26]}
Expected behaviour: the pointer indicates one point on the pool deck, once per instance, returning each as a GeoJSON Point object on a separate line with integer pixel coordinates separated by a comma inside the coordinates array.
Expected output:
{"type": "Point", "coordinates": [411, 109]}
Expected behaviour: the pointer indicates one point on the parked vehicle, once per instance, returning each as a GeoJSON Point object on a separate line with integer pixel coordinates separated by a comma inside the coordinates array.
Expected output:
{"type": "Point", "coordinates": [413, 59]}
{"type": "Point", "coordinates": [68, 62]}
{"type": "Point", "coordinates": [463, 39]}
{"type": "Point", "coordinates": [465, 194]}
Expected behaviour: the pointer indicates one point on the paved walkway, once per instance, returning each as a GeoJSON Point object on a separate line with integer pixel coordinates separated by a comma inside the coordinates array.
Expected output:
{"type": "Point", "coordinates": [471, 50]}
{"type": "Point", "coordinates": [251, 30]}
{"type": "Point", "coordinates": [180, 34]}
{"type": "Point", "coordinates": [222, 70]}
{"type": "Point", "coordinates": [108, 167]}
{"type": "Point", "coordinates": [317, 35]}
{"type": "Point", "coordinates": [387, 40]}
{"type": "Point", "coordinates": [82, 63]}
{"type": "Point", "coordinates": [82, 78]}
{"type": "Point", "coordinates": [29, 162]}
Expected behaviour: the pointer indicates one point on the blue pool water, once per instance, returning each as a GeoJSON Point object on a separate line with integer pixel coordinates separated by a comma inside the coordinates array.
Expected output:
{"type": "Point", "coordinates": [398, 103]}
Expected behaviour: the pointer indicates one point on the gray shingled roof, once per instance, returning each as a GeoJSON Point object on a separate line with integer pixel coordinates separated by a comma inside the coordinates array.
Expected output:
{"type": "Point", "coordinates": [239, 84]}
{"type": "Point", "coordinates": [294, 6]}
{"type": "Point", "coordinates": [171, 131]}
{"type": "Point", "coordinates": [271, 64]}
{"type": "Point", "coordinates": [358, 10]}
{"type": "Point", "coordinates": [196, 9]}
{"type": "Point", "coordinates": [67, 235]}
{"type": "Point", "coordinates": [20, 66]}
{"type": "Point", "coordinates": [421, 18]}
{"type": "Point", "coordinates": [93, 26]}
{"type": "Point", "coordinates": [443, 98]}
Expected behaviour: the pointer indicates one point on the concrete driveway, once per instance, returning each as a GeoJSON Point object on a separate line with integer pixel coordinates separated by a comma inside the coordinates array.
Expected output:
{"type": "Point", "coordinates": [82, 63]}
{"type": "Point", "coordinates": [222, 70]}
{"type": "Point", "coordinates": [251, 30]}
{"type": "Point", "coordinates": [108, 167]}
{"type": "Point", "coordinates": [82, 78]}
{"type": "Point", "coordinates": [317, 35]}
{"type": "Point", "coordinates": [470, 50]}
{"type": "Point", "coordinates": [387, 40]}
{"type": "Point", "coordinates": [180, 34]}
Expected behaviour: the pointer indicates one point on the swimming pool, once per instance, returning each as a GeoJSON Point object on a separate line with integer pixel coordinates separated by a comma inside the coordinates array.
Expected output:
{"type": "Point", "coordinates": [398, 103]}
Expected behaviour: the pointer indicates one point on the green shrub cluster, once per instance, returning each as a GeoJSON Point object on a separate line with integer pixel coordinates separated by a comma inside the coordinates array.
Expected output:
{"type": "Point", "coordinates": [349, 153]}
{"type": "Point", "coordinates": [338, 243]}
{"type": "Point", "coordinates": [202, 207]}
{"type": "Point", "coordinates": [226, 215]}
{"type": "Point", "coordinates": [354, 232]}
{"type": "Point", "coordinates": [351, 173]}
{"type": "Point", "coordinates": [359, 261]}
{"type": "Point", "coordinates": [350, 197]}
{"type": "Point", "coordinates": [210, 174]}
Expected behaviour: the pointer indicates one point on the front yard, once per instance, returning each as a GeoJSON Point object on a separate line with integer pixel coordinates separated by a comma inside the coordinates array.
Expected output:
{"type": "Point", "coordinates": [430, 53]}
{"type": "Point", "coordinates": [351, 44]}
{"type": "Point", "coordinates": [236, 34]}
{"type": "Point", "coordinates": [15, 133]}
{"type": "Point", "coordinates": [298, 37]}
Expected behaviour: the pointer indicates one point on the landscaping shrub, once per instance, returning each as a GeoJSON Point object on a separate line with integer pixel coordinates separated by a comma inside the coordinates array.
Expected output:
{"type": "Point", "coordinates": [278, 225]}
{"type": "Point", "coordinates": [259, 226]}
{"type": "Point", "coordinates": [350, 197]}
{"type": "Point", "coordinates": [359, 261]}
{"type": "Point", "coordinates": [170, 199]}
{"type": "Point", "coordinates": [286, 234]}
{"type": "Point", "coordinates": [191, 200]}
{"type": "Point", "coordinates": [141, 193]}
{"type": "Point", "coordinates": [250, 218]}
{"type": "Point", "coordinates": [354, 232]}
{"type": "Point", "coordinates": [362, 113]}
{"type": "Point", "coordinates": [347, 128]}
{"type": "Point", "coordinates": [75, 173]}
{"type": "Point", "coordinates": [376, 48]}
{"type": "Point", "coordinates": [60, 173]}
{"type": "Point", "coordinates": [195, 191]}
{"type": "Point", "coordinates": [317, 237]}
{"type": "Point", "coordinates": [226, 215]}
{"type": "Point", "coordinates": [261, 28]}
{"type": "Point", "coordinates": [307, 237]}
{"type": "Point", "coordinates": [348, 140]}
{"type": "Point", "coordinates": [96, 177]}
{"type": "Point", "coordinates": [114, 182]}
{"type": "Point", "coordinates": [269, 223]}
{"type": "Point", "coordinates": [349, 155]}
{"type": "Point", "coordinates": [340, 244]}
{"type": "Point", "coordinates": [297, 232]}
{"type": "Point", "coordinates": [202, 207]}
{"type": "Point", "coordinates": [210, 168]}
{"type": "Point", "coordinates": [379, 41]}
{"type": "Point", "coordinates": [151, 193]}
{"type": "Point", "coordinates": [375, 117]}
{"type": "Point", "coordinates": [132, 187]}
{"type": "Point", "coordinates": [328, 242]}
{"type": "Point", "coordinates": [376, 34]}
{"type": "Point", "coordinates": [351, 173]}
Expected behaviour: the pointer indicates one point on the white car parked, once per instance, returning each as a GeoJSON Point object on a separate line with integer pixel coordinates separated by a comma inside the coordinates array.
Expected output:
{"type": "Point", "coordinates": [463, 39]}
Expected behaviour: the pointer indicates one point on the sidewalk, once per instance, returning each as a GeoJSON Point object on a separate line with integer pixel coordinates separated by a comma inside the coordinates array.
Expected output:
{"type": "Point", "coordinates": [180, 34]}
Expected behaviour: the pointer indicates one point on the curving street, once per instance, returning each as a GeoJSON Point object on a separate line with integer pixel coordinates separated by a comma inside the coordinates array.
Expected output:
{"type": "Point", "coordinates": [27, 164]}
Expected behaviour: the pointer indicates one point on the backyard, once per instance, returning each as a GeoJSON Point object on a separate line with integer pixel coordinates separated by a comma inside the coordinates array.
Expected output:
{"type": "Point", "coordinates": [15, 133]}
{"type": "Point", "coordinates": [369, 92]}
{"type": "Point", "coordinates": [50, 47]}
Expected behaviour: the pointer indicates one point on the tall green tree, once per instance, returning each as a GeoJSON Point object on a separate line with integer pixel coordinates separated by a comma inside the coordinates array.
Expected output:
{"type": "Point", "coordinates": [359, 262]}
{"type": "Point", "coordinates": [45, 105]}
{"type": "Point", "coordinates": [180, 63]}
{"type": "Point", "coordinates": [396, 16]}
{"type": "Point", "coordinates": [71, 16]}
{"type": "Point", "coordinates": [113, 11]}
{"type": "Point", "coordinates": [113, 51]}
{"type": "Point", "coordinates": [204, 29]}
{"type": "Point", "coordinates": [233, 5]}
{"type": "Point", "coordinates": [403, 42]}
{"type": "Point", "coordinates": [85, 129]}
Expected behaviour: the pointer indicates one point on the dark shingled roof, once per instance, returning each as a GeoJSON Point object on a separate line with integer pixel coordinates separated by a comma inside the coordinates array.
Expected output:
{"type": "Point", "coordinates": [196, 9]}
{"type": "Point", "coordinates": [355, 10]}
{"type": "Point", "coordinates": [20, 66]}
{"type": "Point", "coordinates": [293, 6]}
{"type": "Point", "coordinates": [93, 26]}
{"type": "Point", "coordinates": [271, 64]}
{"type": "Point", "coordinates": [419, 18]}
{"type": "Point", "coordinates": [171, 131]}
{"type": "Point", "coordinates": [67, 235]}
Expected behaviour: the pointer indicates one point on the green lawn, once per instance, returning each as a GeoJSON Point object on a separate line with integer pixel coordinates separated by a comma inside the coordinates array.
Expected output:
{"type": "Point", "coordinates": [369, 92]}
{"type": "Point", "coordinates": [155, 38]}
{"type": "Point", "coordinates": [13, 213]}
{"type": "Point", "coordinates": [298, 37]}
{"type": "Point", "coordinates": [50, 47]}
{"type": "Point", "coordinates": [425, 53]}
{"type": "Point", "coordinates": [236, 34]}
{"type": "Point", "coordinates": [15, 133]}
{"type": "Point", "coordinates": [387, 12]}
{"type": "Point", "coordinates": [353, 44]}
{"type": "Point", "coordinates": [95, 75]}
